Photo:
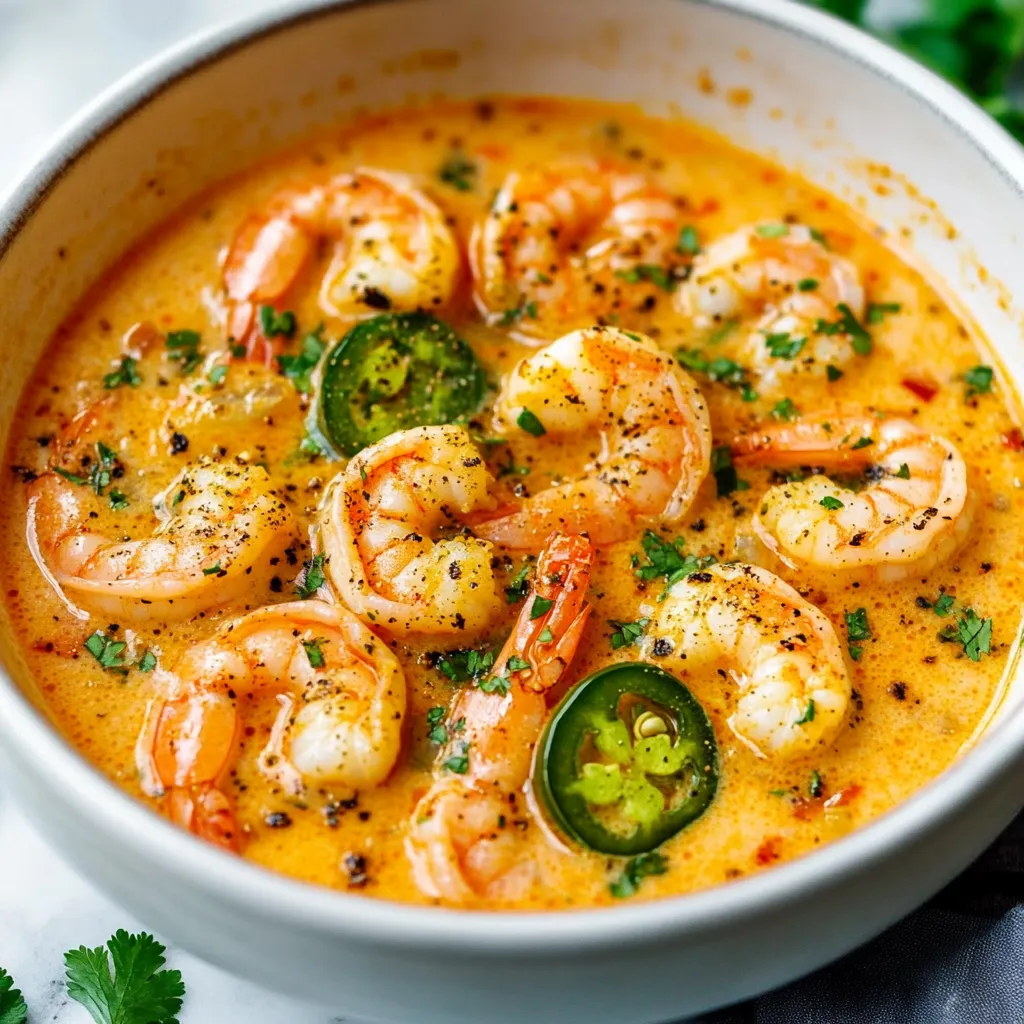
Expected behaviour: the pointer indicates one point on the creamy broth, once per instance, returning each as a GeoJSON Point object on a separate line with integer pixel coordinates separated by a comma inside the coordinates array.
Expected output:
{"type": "Point", "coordinates": [916, 700]}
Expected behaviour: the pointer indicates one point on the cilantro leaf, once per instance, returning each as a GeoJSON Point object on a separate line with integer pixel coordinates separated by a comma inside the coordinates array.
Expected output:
{"type": "Point", "coordinates": [635, 871]}
{"type": "Point", "coordinates": [314, 652]}
{"type": "Point", "coordinates": [458, 171]}
{"type": "Point", "coordinates": [510, 316]}
{"type": "Point", "coordinates": [275, 324]}
{"type": "Point", "coordinates": [978, 380]}
{"type": "Point", "coordinates": [877, 311]}
{"type": "Point", "coordinates": [648, 272]}
{"type": "Point", "coordinates": [772, 230]}
{"type": "Point", "coordinates": [626, 633]}
{"type": "Point", "coordinates": [808, 715]}
{"type": "Point", "coordinates": [298, 368]}
{"type": "Point", "coordinates": [13, 1008]}
{"type": "Point", "coordinates": [124, 374]}
{"type": "Point", "coordinates": [529, 422]}
{"type": "Point", "coordinates": [722, 370]}
{"type": "Point", "coordinates": [183, 348]}
{"type": "Point", "coordinates": [518, 586]}
{"type": "Point", "coordinates": [465, 665]}
{"type": "Point", "coordinates": [312, 578]}
{"type": "Point", "coordinates": [724, 471]}
{"type": "Point", "coordinates": [785, 410]}
{"type": "Point", "coordinates": [784, 345]}
{"type": "Point", "coordinates": [830, 503]}
{"type": "Point", "coordinates": [974, 634]}
{"type": "Point", "coordinates": [138, 991]}
{"type": "Point", "coordinates": [688, 243]}
{"type": "Point", "coordinates": [107, 651]}
{"type": "Point", "coordinates": [667, 560]}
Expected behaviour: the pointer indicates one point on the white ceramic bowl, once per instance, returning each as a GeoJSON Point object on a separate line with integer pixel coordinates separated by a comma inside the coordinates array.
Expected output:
{"type": "Point", "coordinates": [824, 99]}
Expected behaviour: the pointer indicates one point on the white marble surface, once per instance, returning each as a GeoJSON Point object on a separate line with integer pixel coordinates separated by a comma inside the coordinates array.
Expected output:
{"type": "Point", "coordinates": [54, 54]}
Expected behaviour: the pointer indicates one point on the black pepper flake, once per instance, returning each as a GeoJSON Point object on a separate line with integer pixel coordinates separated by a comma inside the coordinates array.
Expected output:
{"type": "Point", "coordinates": [375, 299]}
{"type": "Point", "coordinates": [278, 819]}
{"type": "Point", "coordinates": [276, 584]}
{"type": "Point", "coordinates": [179, 443]}
{"type": "Point", "coordinates": [354, 865]}
{"type": "Point", "coordinates": [662, 647]}
{"type": "Point", "coordinates": [898, 690]}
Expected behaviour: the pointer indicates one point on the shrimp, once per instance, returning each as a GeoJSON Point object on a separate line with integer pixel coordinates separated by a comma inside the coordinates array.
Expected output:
{"type": "Point", "coordinates": [783, 275]}
{"type": "Point", "coordinates": [781, 651]}
{"type": "Point", "coordinates": [458, 843]}
{"type": "Point", "coordinates": [644, 417]}
{"type": "Point", "coordinates": [375, 528]}
{"type": "Point", "coordinates": [220, 524]}
{"type": "Point", "coordinates": [347, 731]}
{"type": "Point", "coordinates": [913, 514]}
{"type": "Point", "coordinates": [572, 243]}
{"type": "Point", "coordinates": [393, 250]}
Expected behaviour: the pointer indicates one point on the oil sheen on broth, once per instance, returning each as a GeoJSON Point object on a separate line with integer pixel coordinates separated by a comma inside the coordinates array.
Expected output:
{"type": "Point", "coordinates": [922, 666]}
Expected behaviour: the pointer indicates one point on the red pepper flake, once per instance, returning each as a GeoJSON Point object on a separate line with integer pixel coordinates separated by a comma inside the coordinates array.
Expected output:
{"type": "Point", "coordinates": [924, 389]}
{"type": "Point", "coordinates": [1013, 439]}
{"type": "Point", "coordinates": [769, 850]}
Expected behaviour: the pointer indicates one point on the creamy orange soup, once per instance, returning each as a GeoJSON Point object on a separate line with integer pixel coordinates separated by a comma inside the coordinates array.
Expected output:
{"type": "Point", "coordinates": [623, 228]}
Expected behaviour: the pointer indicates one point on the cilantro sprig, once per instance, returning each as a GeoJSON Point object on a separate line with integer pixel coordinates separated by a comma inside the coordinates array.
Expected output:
{"type": "Point", "coordinates": [137, 991]}
{"type": "Point", "coordinates": [667, 560]}
{"type": "Point", "coordinates": [635, 871]}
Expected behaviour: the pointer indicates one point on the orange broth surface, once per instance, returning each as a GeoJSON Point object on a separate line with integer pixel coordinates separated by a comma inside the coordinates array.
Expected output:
{"type": "Point", "coordinates": [917, 700]}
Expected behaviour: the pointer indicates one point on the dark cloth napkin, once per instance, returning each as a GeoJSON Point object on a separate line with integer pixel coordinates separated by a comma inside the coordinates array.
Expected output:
{"type": "Point", "coordinates": [957, 960]}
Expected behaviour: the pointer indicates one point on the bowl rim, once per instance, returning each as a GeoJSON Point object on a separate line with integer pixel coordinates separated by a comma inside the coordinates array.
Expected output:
{"type": "Point", "coordinates": [231, 879]}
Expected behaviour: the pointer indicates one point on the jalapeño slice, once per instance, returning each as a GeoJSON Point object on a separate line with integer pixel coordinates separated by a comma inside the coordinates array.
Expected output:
{"type": "Point", "coordinates": [393, 372]}
{"type": "Point", "coordinates": [628, 759]}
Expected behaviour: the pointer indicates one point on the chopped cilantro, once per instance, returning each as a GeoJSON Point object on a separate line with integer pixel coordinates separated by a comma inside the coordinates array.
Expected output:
{"type": "Point", "coordinates": [648, 272]}
{"type": "Point", "coordinates": [217, 374]}
{"type": "Point", "coordinates": [458, 763]}
{"type": "Point", "coordinates": [510, 316]}
{"type": "Point", "coordinates": [833, 373]}
{"type": "Point", "coordinates": [545, 636]}
{"type": "Point", "coordinates": [458, 171]}
{"type": "Point", "coordinates": [903, 472]}
{"type": "Point", "coordinates": [772, 230]}
{"type": "Point", "coordinates": [816, 787]}
{"type": "Point", "coordinates": [517, 589]}
{"type": "Point", "coordinates": [275, 324]}
{"type": "Point", "coordinates": [808, 715]}
{"type": "Point", "coordinates": [107, 651]}
{"type": "Point", "coordinates": [725, 472]}
{"type": "Point", "coordinates": [857, 628]}
{"type": "Point", "coordinates": [118, 499]}
{"type": "Point", "coordinates": [784, 345]}
{"type": "Point", "coordinates": [785, 410]}
{"type": "Point", "coordinates": [528, 421]}
{"type": "Point", "coordinates": [298, 368]}
{"type": "Point", "coordinates": [877, 311]}
{"type": "Point", "coordinates": [807, 284]}
{"type": "Point", "coordinates": [972, 633]}
{"type": "Point", "coordinates": [688, 243]}
{"type": "Point", "coordinates": [849, 325]}
{"type": "Point", "coordinates": [541, 606]}
{"type": "Point", "coordinates": [463, 665]}
{"type": "Point", "coordinates": [978, 380]}
{"type": "Point", "coordinates": [312, 578]}
{"type": "Point", "coordinates": [213, 569]}
{"type": "Point", "coordinates": [314, 652]}
{"type": "Point", "coordinates": [635, 871]}
{"type": "Point", "coordinates": [147, 662]}
{"type": "Point", "coordinates": [830, 503]}
{"type": "Point", "coordinates": [516, 664]}
{"type": "Point", "coordinates": [124, 374]}
{"type": "Point", "coordinates": [722, 331]}
{"type": "Point", "coordinates": [861, 442]}
{"type": "Point", "coordinates": [183, 348]}
{"type": "Point", "coordinates": [626, 633]}
{"type": "Point", "coordinates": [668, 561]}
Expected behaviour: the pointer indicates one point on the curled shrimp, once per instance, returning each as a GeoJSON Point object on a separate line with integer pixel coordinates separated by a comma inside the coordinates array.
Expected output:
{"type": "Point", "coordinates": [786, 278]}
{"type": "Point", "coordinates": [219, 525]}
{"type": "Point", "coordinates": [643, 417]}
{"type": "Point", "coordinates": [574, 242]}
{"type": "Point", "coordinates": [376, 529]}
{"type": "Point", "coordinates": [781, 651]}
{"type": "Point", "coordinates": [342, 695]}
{"type": "Point", "coordinates": [914, 513]}
{"type": "Point", "coordinates": [460, 842]}
{"type": "Point", "coordinates": [393, 250]}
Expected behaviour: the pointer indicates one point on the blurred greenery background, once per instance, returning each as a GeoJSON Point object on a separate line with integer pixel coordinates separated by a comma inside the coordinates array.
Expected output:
{"type": "Point", "coordinates": [977, 44]}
